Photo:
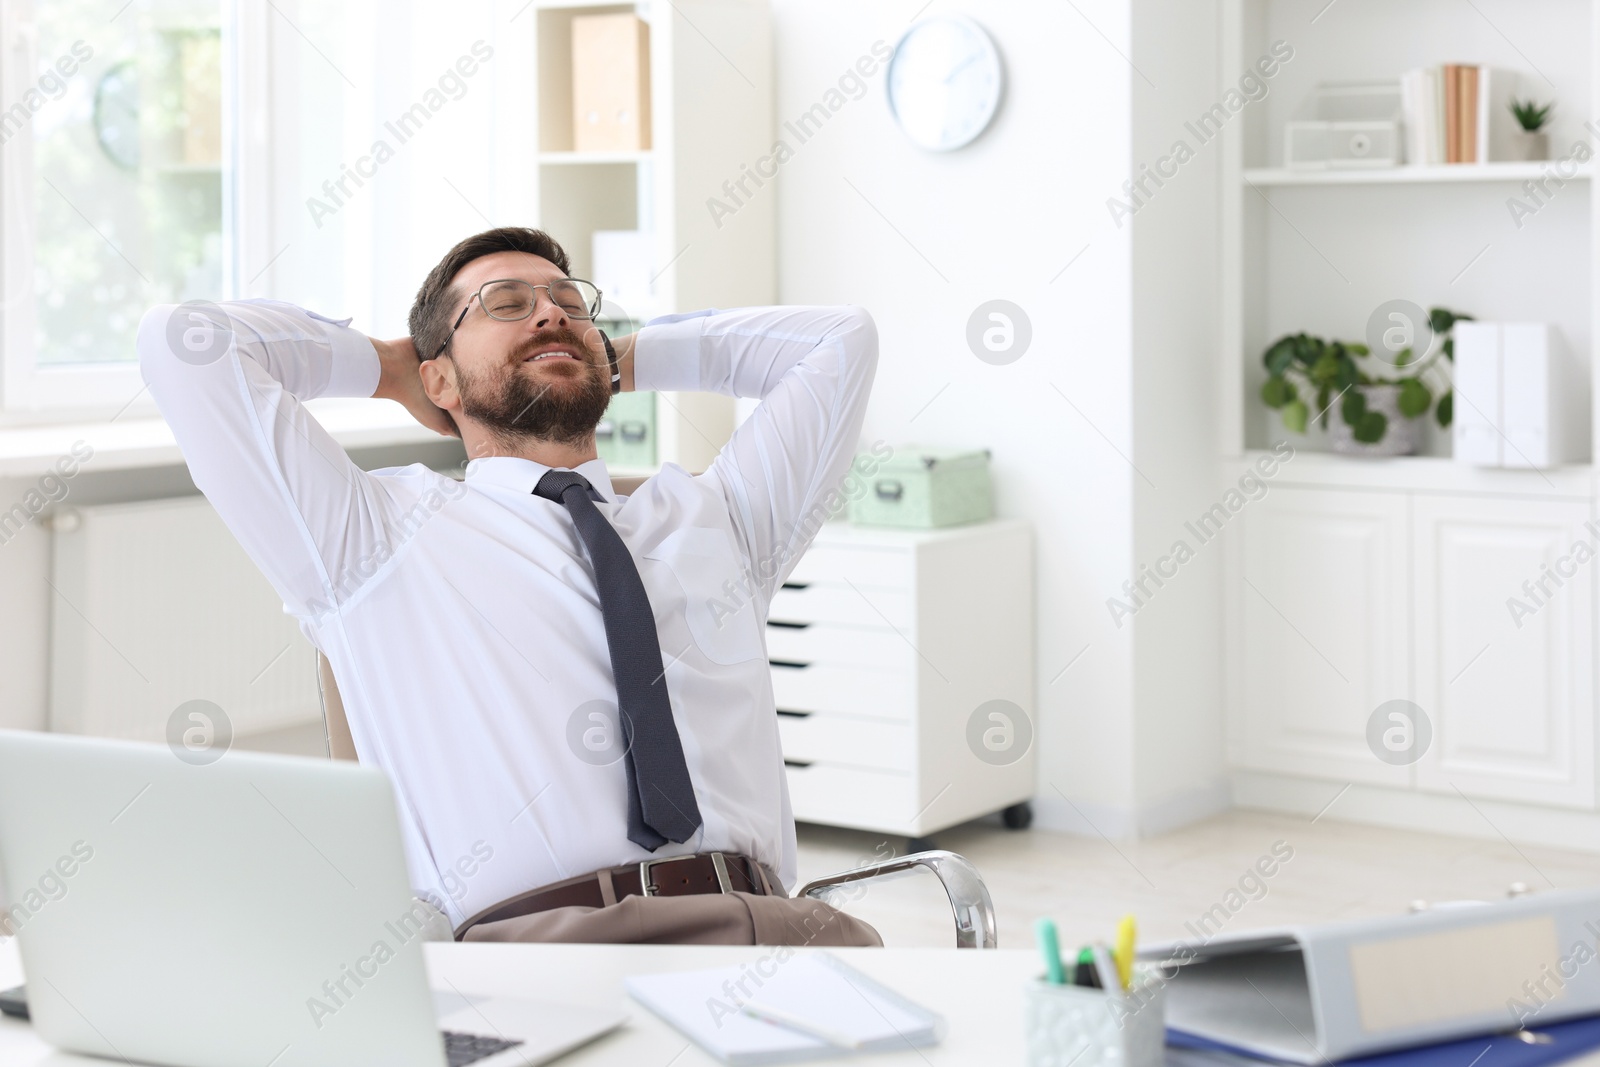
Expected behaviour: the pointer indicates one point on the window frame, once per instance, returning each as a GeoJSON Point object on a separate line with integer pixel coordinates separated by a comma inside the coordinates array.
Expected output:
{"type": "Point", "coordinates": [30, 393]}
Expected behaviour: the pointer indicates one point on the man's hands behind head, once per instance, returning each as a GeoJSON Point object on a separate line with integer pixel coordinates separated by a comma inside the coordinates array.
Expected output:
{"type": "Point", "coordinates": [400, 381]}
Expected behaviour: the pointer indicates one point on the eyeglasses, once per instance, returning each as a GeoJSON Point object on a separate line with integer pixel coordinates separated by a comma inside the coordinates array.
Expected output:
{"type": "Point", "coordinates": [511, 300]}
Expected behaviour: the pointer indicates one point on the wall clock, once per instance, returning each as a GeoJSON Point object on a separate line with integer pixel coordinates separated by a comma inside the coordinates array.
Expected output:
{"type": "Point", "coordinates": [116, 114]}
{"type": "Point", "coordinates": [944, 82]}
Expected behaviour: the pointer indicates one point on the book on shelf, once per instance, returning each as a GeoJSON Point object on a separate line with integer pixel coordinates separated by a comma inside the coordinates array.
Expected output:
{"type": "Point", "coordinates": [1456, 113]}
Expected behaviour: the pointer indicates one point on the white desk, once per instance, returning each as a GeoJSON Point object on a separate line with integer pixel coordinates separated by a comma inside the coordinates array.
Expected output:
{"type": "Point", "coordinates": [979, 993]}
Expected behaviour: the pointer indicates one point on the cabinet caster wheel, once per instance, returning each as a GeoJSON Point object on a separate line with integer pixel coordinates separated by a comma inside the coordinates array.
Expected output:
{"type": "Point", "coordinates": [919, 844]}
{"type": "Point", "coordinates": [1018, 816]}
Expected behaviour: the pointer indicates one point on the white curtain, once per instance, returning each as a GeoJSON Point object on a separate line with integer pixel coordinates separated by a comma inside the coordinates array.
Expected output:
{"type": "Point", "coordinates": [395, 129]}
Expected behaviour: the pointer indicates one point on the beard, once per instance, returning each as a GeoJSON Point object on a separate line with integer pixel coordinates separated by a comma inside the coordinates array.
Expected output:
{"type": "Point", "coordinates": [512, 406]}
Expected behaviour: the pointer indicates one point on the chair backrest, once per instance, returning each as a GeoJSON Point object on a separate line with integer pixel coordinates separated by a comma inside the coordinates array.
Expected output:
{"type": "Point", "coordinates": [340, 744]}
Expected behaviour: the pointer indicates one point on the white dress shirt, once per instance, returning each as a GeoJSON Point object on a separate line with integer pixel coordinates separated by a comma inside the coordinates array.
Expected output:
{"type": "Point", "coordinates": [461, 617]}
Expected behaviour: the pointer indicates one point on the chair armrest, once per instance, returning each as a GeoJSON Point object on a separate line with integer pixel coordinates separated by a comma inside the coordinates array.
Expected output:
{"type": "Point", "coordinates": [969, 897]}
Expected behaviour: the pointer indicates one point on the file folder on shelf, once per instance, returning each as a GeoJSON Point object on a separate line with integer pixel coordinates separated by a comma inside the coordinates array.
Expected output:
{"type": "Point", "coordinates": [1308, 994]}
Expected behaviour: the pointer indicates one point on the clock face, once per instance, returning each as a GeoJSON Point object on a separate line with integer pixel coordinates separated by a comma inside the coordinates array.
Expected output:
{"type": "Point", "coordinates": [944, 82]}
{"type": "Point", "coordinates": [116, 114]}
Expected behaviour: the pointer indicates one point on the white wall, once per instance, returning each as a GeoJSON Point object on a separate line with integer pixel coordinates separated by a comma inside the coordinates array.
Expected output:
{"type": "Point", "coordinates": [24, 622]}
{"type": "Point", "coordinates": [1131, 734]}
{"type": "Point", "coordinates": [998, 219]}
{"type": "Point", "coordinates": [1179, 725]}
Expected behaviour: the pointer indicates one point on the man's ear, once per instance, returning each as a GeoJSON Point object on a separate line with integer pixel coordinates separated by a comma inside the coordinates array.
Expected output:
{"type": "Point", "coordinates": [439, 382]}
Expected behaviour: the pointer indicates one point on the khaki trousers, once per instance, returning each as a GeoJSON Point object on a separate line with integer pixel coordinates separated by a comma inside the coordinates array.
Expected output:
{"type": "Point", "coordinates": [704, 919]}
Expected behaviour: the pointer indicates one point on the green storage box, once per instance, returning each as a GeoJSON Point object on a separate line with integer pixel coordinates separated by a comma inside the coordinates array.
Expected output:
{"type": "Point", "coordinates": [626, 436]}
{"type": "Point", "coordinates": [923, 488]}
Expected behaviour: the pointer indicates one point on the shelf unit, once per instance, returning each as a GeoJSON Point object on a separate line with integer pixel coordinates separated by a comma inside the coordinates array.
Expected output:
{"type": "Point", "coordinates": [1320, 250]}
{"type": "Point", "coordinates": [1356, 581]}
{"type": "Point", "coordinates": [575, 159]}
{"type": "Point", "coordinates": [711, 113]}
{"type": "Point", "coordinates": [1461, 172]}
{"type": "Point", "coordinates": [1422, 474]}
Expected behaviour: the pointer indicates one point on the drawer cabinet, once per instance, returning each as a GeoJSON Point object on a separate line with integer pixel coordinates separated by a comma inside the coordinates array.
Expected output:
{"type": "Point", "coordinates": [847, 741]}
{"type": "Point", "coordinates": [884, 644]}
{"type": "Point", "coordinates": [868, 567]}
{"type": "Point", "coordinates": [820, 642]}
{"type": "Point", "coordinates": [837, 689]}
{"type": "Point", "coordinates": [843, 603]}
{"type": "Point", "coordinates": [835, 794]}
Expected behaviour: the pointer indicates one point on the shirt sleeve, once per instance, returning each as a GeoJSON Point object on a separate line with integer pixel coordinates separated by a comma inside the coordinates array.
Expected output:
{"type": "Point", "coordinates": [230, 380]}
{"type": "Point", "coordinates": [812, 368]}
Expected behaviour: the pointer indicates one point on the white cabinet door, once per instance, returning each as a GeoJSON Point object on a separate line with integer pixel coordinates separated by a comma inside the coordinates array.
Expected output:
{"type": "Point", "coordinates": [1322, 588]}
{"type": "Point", "coordinates": [1505, 670]}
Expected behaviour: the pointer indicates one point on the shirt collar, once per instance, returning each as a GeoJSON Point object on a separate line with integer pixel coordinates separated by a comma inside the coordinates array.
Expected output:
{"type": "Point", "coordinates": [521, 475]}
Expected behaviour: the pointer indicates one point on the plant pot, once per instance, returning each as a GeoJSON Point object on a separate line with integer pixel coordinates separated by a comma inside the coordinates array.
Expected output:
{"type": "Point", "coordinates": [1530, 146]}
{"type": "Point", "coordinates": [1402, 437]}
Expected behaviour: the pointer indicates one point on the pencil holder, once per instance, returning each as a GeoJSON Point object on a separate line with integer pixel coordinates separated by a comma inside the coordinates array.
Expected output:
{"type": "Point", "coordinates": [1093, 1028]}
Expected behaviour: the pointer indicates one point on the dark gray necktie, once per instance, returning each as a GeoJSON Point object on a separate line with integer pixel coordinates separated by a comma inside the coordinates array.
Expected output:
{"type": "Point", "coordinates": [661, 804]}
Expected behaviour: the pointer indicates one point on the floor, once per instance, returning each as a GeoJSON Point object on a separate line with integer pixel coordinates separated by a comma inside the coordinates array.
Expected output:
{"type": "Point", "coordinates": [1334, 870]}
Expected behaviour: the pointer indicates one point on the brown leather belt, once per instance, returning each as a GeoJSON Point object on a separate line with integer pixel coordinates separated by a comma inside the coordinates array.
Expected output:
{"type": "Point", "coordinates": [673, 876]}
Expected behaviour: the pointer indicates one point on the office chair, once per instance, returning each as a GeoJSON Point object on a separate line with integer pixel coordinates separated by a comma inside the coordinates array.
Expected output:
{"type": "Point", "coordinates": [969, 897]}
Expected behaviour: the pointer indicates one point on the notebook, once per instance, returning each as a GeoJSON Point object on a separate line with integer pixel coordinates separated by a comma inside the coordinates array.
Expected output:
{"type": "Point", "coordinates": [707, 1007]}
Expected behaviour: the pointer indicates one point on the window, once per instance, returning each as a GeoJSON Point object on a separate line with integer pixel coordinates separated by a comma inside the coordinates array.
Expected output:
{"type": "Point", "coordinates": [115, 145]}
{"type": "Point", "coordinates": [171, 150]}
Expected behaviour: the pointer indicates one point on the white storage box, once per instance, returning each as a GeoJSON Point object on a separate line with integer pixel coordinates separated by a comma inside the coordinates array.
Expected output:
{"type": "Point", "coordinates": [1346, 125]}
{"type": "Point", "coordinates": [1514, 400]}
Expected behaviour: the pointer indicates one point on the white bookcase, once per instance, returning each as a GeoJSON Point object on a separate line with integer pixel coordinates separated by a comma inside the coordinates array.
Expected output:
{"type": "Point", "coordinates": [1320, 250]}
{"type": "Point", "coordinates": [711, 116]}
{"type": "Point", "coordinates": [1355, 580]}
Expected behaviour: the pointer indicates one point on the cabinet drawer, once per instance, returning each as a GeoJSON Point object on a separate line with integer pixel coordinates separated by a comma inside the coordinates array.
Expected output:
{"type": "Point", "coordinates": [848, 796]}
{"type": "Point", "coordinates": [878, 608]}
{"type": "Point", "coordinates": [820, 642]}
{"type": "Point", "coordinates": [837, 739]}
{"type": "Point", "coordinates": [829, 687]}
{"type": "Point", "coordinates": [879, 568]}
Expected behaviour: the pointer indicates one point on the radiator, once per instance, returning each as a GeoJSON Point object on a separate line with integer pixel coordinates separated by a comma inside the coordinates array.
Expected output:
{"type": "Point", "coordinates": [153, 605]}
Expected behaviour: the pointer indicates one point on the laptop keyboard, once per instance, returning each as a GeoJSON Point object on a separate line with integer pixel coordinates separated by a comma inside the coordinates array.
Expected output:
{"type": "Point", "coordinates": [462, 1049]}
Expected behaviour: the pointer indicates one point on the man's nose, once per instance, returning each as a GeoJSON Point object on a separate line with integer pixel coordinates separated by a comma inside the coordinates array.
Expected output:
{"type": "Point", "coordinates": [546, 312]}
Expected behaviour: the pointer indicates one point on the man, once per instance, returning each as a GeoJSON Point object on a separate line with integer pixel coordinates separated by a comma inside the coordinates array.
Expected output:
{"type": "Point", "coordinates": [548, 672]}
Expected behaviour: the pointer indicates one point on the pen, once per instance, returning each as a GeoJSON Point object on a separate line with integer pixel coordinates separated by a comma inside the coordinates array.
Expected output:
{"type": "Point", "coordinates": [1050, 948]}
{"type": "Point", "coordinates": [782, 1018]}
{"type": "Point", "coordinates": [1127, 930]}
{"type": "Point", "coordinates": [1083, 971]}
{"type": "Point", "coordinates": [1107, 969]}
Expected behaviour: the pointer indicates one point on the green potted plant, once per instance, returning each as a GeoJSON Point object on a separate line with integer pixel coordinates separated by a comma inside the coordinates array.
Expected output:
{"type": "Point", "coordinates": [1530, 141]}
{"type": "Point", "coordinates": [1379, 413]}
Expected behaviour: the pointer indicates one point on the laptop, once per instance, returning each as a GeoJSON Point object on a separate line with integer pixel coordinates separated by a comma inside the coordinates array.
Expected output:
{"type": "Point", "coordinates": [248, 912]}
